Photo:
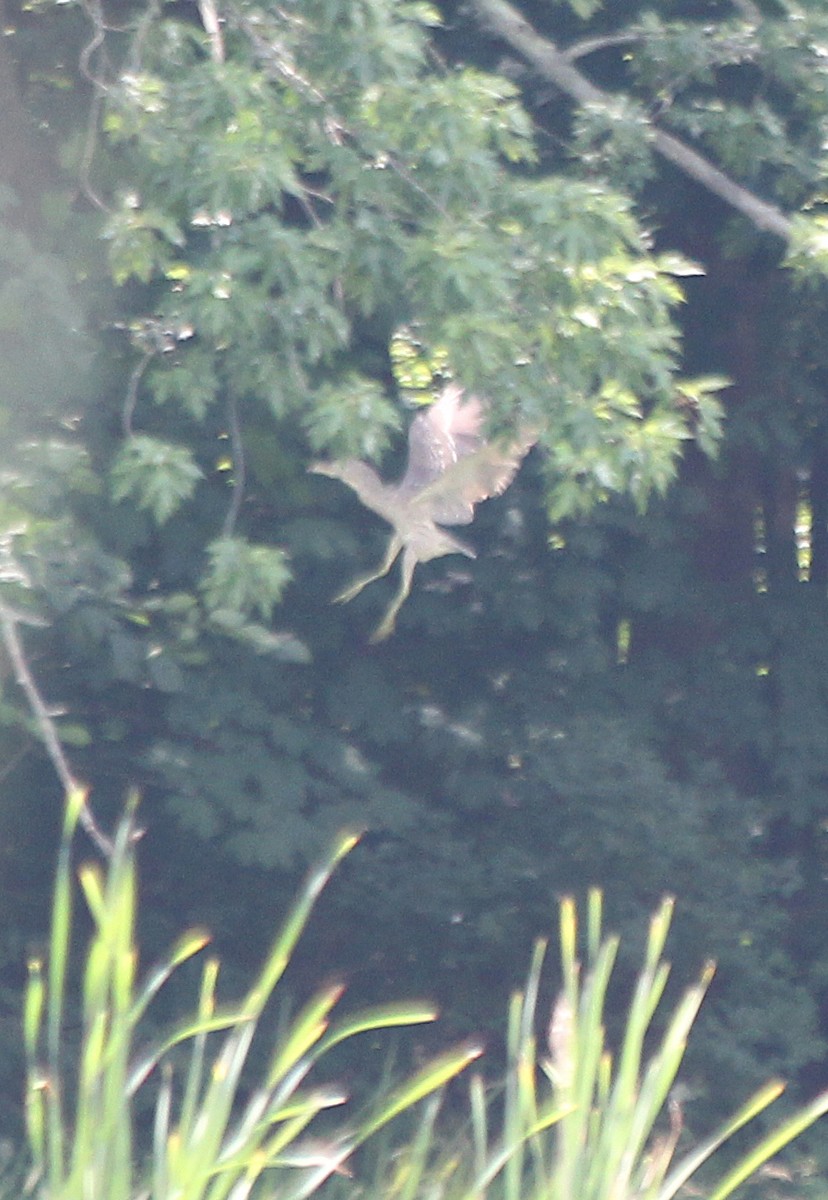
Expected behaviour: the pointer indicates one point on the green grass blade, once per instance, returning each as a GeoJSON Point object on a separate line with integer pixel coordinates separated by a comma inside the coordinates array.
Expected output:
{"type": "Point", "coordinates": [595, 914]}
{"type": "Point", "coordinates": [305, 1031]}
{"type": "Point", "coordinates": [530, 1003]}
{"type": "Point", "coordinates": [188, 945]}
{"type": "Point", "coordinates": [285, 942]}
{"type": "Point", "coordinates": [498, 1160]}
{"type": "Point", "coordinates": [161, 1135]}
{"type": "Point", "coordinates": [589, 1048]}
{"type": "Point", "coordinates": [568, 935]}
{"type": "Point", "coordinates": [660, 924]}
{"type": "Point", "coordinates": [691, 1162]}
{"type": "Point", "coordinates": [431, 1077]}
{"type": "Point", "coordinates": [479, 1123]}
{"type": "Point", "coordinates": [576, 1042]}
{"type": "Point", "coordinates": [412, 1170]}
{"type": "Point", "coordinates": [513, 1175]}
{"type": "Point", "coordinates": [217, 1103]}
{"type": "Point", "coordinates": [35, 1115]}
{"type": "Point", "coordinates": [660, 1075]}
{"type": "Point", "coordinates": [91, 879]}
{"type": "Point", "coordinates": [260, 1115]}
{"type": "Point", "coordinates": [33, 1008]}
{"type": "Point", "coordinates": [59, 940]}
{"type": "Point", "coordinates": [615, 1152]}
{"type": "Point", "coordinates": [666, 1060]}
{"type": "Point", "coordinates": [195, 1070]}
{"type": "Point", "coordinates": [317, 1175]}
{"type": "Point", "coordinates": [149, 1060]}
{"type": "Point", "coordinates": [771, 1145]}
{"type": "Point", "coordinates": [244, 1156]}
{"type": "Point", "coordinates": [388, 1016]}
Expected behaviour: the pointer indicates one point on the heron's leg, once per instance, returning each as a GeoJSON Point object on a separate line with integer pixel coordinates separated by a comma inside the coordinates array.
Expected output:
{"type": "Point", "coordinates": [386, 625]}
{"type": "Point", "coordinates": [394, 547]}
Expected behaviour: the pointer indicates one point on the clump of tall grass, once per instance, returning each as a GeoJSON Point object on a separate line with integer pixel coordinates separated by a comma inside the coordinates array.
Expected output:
{"type": "Point", "coordinates": [573, 1120]}
{"type": "Point", "coordinates": [210, 1139]}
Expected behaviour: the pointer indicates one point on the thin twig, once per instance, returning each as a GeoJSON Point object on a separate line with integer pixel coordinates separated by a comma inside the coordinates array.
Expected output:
{"type": "Point", "coordinates": [277, 56]}
{"type": "Point", "coordinates": [132, 391]}
{"type": "Point", "coordinates": [89, 147]}
{"type": "Point", "coordinates": [212, 26]}
{"type": "Point", "coordinates": [95, 14]}
{"type": "Point", "coordinates": [99, 89]}
{"type": "Point", "coordinates": [9, 621]}
{"type": "Point", "coordinates": [591, 45]}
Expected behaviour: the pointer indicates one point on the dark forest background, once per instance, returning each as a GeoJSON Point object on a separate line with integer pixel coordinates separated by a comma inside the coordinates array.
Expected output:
{"type": "Point", "coordinates": [223, 255]}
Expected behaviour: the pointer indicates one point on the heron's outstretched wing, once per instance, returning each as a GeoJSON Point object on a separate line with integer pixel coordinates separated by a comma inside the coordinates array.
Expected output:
{"type": "Point", "coordinates": [362, 479]}
{"type": "Point", "coordinates": [488, 471]}
{"type": "Point", "coordinates": [448, 430]}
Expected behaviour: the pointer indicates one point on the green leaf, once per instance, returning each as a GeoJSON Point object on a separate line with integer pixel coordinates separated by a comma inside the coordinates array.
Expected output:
{"type": "Point", "coordinates": [352, 419]}
{"type": "Point", "coordinates": [244, 579]}
{"type": "Point", "coordinates": [158, 475]}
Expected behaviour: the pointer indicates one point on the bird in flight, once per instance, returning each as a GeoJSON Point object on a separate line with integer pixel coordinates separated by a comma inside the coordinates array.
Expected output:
{"type": "Point", "coordinates": [451, 468]}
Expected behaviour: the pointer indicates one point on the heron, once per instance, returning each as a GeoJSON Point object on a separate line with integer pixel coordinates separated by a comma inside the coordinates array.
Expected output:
{"type": "Point", "coordinates": [451, 468]}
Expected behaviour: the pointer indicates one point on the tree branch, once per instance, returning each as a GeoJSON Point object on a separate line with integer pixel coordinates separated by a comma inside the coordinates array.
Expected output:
{"type": "Point", "coordinates": [592, 45]}
{"type": "Point", "coordinates": [212, 25]}
{"type": "Point", "coordinates": [507, 23]}
{"type": "Point", "coordinates": [131, 401]}
{"type": "Point", "coordinates": [9, 621]}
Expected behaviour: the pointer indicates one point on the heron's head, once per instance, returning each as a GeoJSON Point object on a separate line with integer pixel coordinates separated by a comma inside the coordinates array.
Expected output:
{"type": "Point", "coordinates": [358, 476]}
{"type": "Point", "coordinates": [332, 469]}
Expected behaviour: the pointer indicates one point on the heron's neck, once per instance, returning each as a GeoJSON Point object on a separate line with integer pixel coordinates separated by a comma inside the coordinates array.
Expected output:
{"type": "Point", "coordinates": [381, 498]}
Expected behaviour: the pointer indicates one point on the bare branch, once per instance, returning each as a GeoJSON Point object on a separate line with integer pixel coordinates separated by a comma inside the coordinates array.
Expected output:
{"type": "Point", "coordinates": [212, 25]}
{"type": "Point", "coordinates": [99, 89]}
{"type": "Point", "coordinates": [506, 22]}
{"type": "Point", "coordinates": [764, 216]}
{"type": "Point", "coordinates": [95, 13]}
{"type": "Point", "coordinates": [89, 148]}
{"type": "Point", "coordinates": [591, 45]}
{"type": "Point", "coordinates": [9, 621]}
{"type": "Point", "coordinates": [135, 377]}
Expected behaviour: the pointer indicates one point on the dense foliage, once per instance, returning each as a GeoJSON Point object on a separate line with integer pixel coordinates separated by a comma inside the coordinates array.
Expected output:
{"type": "Point", "coordinates": [231, 247]}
